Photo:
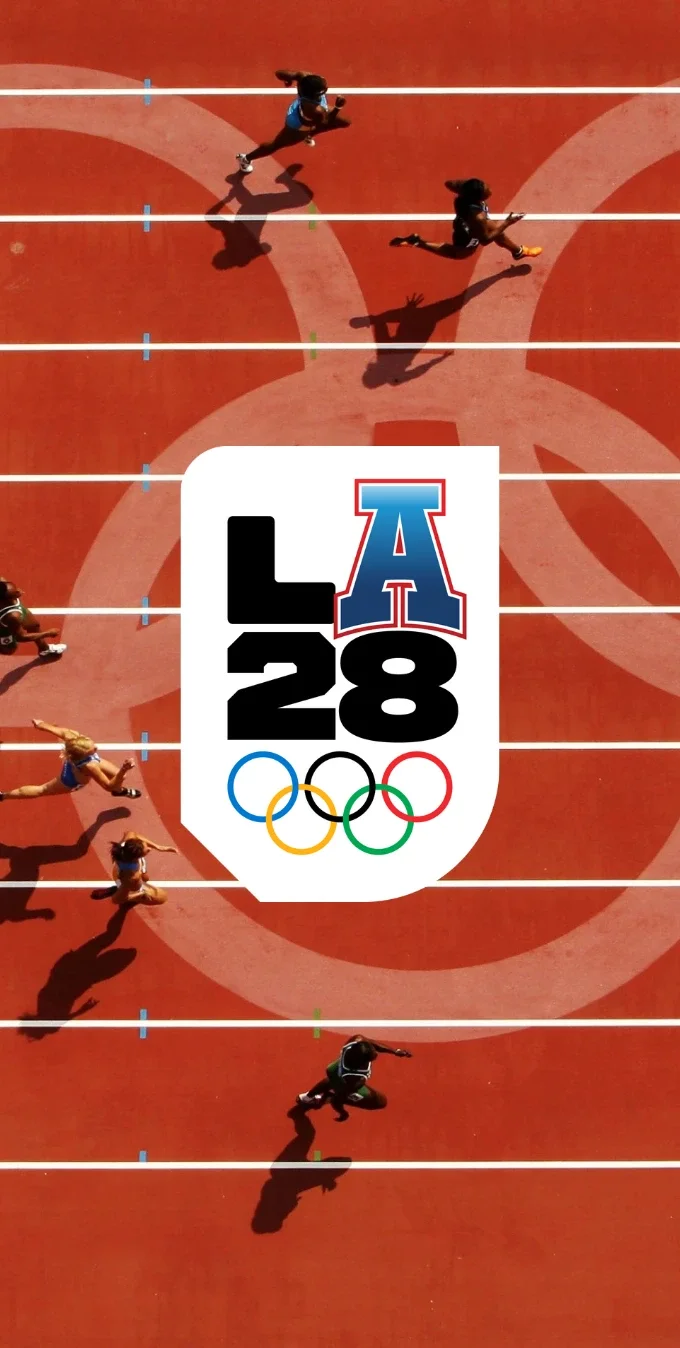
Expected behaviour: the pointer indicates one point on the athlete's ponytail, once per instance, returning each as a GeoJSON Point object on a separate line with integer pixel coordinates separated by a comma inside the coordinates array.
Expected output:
{"type": "Point", "coordinates": [130, 849]}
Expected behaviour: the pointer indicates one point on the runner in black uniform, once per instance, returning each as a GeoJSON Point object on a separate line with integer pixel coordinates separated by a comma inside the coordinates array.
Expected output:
{"type": "Point", "coordinates": [18, 625]}
{"type": "Point", "coordinates": [472, 228]}
{"type": "Point", "coordinates": [346, 1079]}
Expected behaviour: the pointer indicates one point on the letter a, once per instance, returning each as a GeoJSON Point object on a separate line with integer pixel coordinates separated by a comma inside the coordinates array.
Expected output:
{"type": "Point", "coordinates": [400, 577]}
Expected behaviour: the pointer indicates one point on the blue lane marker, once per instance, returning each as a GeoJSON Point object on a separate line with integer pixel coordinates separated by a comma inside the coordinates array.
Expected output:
{"type": "Point", "coordinates": [145, 759]}
{"type": "Point", "coordinates": [142, 1028]}
{"type": "Point", "coordinates": [145, 616]}
{"type": "Point", "coordinates": [146, 338]}
{"type": "Point", "coordinates": [147, 223]}
{"type": "Point", "coordinates": [146, 468]}
{"type": "Point", "coordinates": [143, 1157]}
{"type": "Point", "coordinates": [147, 96]}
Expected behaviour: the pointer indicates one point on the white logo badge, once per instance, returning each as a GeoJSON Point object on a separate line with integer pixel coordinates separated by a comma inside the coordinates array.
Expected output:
{"type": "Point", "coordinates": [339, 665]}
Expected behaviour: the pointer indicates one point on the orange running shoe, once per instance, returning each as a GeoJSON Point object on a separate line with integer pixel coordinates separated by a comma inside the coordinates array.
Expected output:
{"type": "Point", "coordinates": [530, 252]}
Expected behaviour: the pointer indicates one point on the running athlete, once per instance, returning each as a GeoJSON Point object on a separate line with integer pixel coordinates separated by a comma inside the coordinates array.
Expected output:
{"type": "Point", "coordinates": [472, 228]}
{"type": "Point", "coordinates": [129, 872]}
{"type": "Point", "coordinates": [346, 1079]}
{"type": "Point", "coordinates": [307, 114]}
{"type": "Point", "coordinates": [18, 625]}
{"type": "Point", "coordinates": [81, 765]}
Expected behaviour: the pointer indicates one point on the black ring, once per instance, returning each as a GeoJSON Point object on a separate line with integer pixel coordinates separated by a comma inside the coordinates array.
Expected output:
{"type": "Point", "coordinates": [337, 818]}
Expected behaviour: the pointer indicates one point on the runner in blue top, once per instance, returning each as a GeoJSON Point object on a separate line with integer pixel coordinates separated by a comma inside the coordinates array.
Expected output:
{"type": "Point", "coordinates": [129, 872]}
{"type": "Point", "coordinates": [307, 115]}
{"type": "Point", "coordinates": [346, 1079]}
{"type": "Point", "coordinates": [472, 228]}
{"type": "Point", "coordinates": [81, 764]}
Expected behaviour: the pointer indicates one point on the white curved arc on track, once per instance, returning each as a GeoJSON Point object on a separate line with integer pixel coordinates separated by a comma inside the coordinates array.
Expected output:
{"type": "Point", "coordinates": [332, 407]}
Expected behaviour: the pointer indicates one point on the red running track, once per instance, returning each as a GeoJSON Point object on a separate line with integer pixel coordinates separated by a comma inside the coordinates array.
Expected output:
{"type": "Point", "coordinates": [498, 1261]}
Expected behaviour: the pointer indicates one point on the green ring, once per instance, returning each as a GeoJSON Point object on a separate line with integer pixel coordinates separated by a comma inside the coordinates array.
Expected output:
{"type": "Point", "coordinates": [377, 851]}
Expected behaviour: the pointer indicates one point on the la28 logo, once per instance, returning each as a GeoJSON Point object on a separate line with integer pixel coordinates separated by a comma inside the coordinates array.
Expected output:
{"type": "Point", "coordinates": [320, 685]}
{"type": "Point", "coordinates": [399, 583]}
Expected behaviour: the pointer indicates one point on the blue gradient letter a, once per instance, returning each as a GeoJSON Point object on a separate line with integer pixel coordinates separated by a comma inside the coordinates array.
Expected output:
{"type": "Point", "coordinates": [400, 577]}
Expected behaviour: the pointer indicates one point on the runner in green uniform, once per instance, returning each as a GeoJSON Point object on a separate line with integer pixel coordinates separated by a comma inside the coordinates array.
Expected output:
{"type": "Point", "coordinates": [346, 1079]}
{"type": "Point", "coordinates": [18, 625]}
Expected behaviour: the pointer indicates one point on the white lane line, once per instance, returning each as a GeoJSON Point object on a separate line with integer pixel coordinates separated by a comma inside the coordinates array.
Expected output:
{"type": "Point", "coordinates": [670, 1023]}
{"type": "Point", "coordinates": [505, 612]}
{"type": "Point", "coordinates": [178, 477]}
{"type": "Point", "coordinates": [30, 347]}
{"type": "Point", "coordinates": [532, 746]}
{"type": "Point", "coordinates": [357, 91]}
{"type": "Point", "coordinates": [144, 1166]}
{"type": "Point", "coordinates": [591, 609]}
{"type": "Point", "coordinates": [333, 217]}
{"type": "Point", "coordinates": [589, 477]}
{"type": "Point", "coordinates": [436, 884]}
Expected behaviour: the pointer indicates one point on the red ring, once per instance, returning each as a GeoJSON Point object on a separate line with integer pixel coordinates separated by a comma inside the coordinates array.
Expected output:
{"type": "Point", "coordinates": [418, 818]}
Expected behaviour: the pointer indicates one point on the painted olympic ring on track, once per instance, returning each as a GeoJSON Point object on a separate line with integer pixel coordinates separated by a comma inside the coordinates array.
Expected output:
{"type": "Point", "coordinates": [330, 405]}
{"type": "Point", "coordinates": [346, 818]}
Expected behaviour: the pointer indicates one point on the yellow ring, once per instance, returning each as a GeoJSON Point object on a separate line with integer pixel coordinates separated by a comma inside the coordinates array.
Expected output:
{"type": "Point", "coordinates": [299, 851]}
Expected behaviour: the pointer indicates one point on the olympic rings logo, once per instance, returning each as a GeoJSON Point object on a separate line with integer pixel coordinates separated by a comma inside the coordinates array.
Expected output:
{"type": "Point", "coordinates": [349, 814]}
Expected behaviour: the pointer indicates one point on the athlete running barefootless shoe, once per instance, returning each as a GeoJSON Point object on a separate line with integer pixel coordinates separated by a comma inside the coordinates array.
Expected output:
{"type": "Point", "coordinates": [307, 115]}
{"type": "Point", "coordinates": [18, 625]}
{"type": "Point", "coordinates": [81, 765]}
{"type": "Point", "coordinates": [346, 1079]}
{"type": "Point", "coordinates": [472, 228]}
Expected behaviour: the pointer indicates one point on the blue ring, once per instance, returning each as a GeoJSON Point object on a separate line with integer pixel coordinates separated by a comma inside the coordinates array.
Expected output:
{"type": "Point", "coordinates": [262, 818]}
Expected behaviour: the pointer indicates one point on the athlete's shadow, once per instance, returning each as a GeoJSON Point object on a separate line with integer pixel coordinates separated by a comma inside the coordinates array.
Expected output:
{"type": "Point", "coordinates": [25, 864]}
{"type": "Point", "coordinates": [416, 322]}
{"type": "Point", "coordinates": [19, 669]}
{"type": "Point", "coordinates": [242, 242]}
{"type": "Point", "coordinates": [75, 973]}
{"type": "Point", "coordinates": [281, 1193]}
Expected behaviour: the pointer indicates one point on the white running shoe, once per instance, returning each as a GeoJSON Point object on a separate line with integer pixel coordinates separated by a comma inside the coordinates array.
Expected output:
{"type": "Point", "coordinates": [53, 651]}
{"type": "Point", "coordinates": [309, 140]}
{"type": "Point", "coordinates": [244, 163]}
{"type": "Point", "coordinates": [306, 1099]}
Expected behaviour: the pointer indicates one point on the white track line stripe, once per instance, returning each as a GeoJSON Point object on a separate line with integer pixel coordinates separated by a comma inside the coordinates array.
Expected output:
{"type": "Point", "coordinates": [145, 1166]}
{"type": "Point", "coordinates": [436, 884]}
{"type": "Point", "coordinates": [356, 91]}
{"type": "Point", "coordinates": [514, 611]}
{"type": "Point", "coordinates": [303, 217]}
{"type": "Point", "coordinates": [178, 477]}
{"type": "Point", "coordinates": [671, 1023]}
{"type": "Point", "coordinates": [29, 348]}
{"type": "Point", "coordinates": [532, 746]}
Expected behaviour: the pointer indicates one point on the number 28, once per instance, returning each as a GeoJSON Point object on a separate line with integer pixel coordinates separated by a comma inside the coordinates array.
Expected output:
{"type": "Point", "coordinates": [264, 711]}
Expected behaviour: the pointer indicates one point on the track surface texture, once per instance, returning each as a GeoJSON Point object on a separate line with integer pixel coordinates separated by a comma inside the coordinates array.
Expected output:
{"type": "Point", "coordinates": [509, 1259]}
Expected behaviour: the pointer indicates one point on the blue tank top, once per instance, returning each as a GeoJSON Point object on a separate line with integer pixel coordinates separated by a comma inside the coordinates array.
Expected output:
{"type": "Point", "coordinates": [68, 773]}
